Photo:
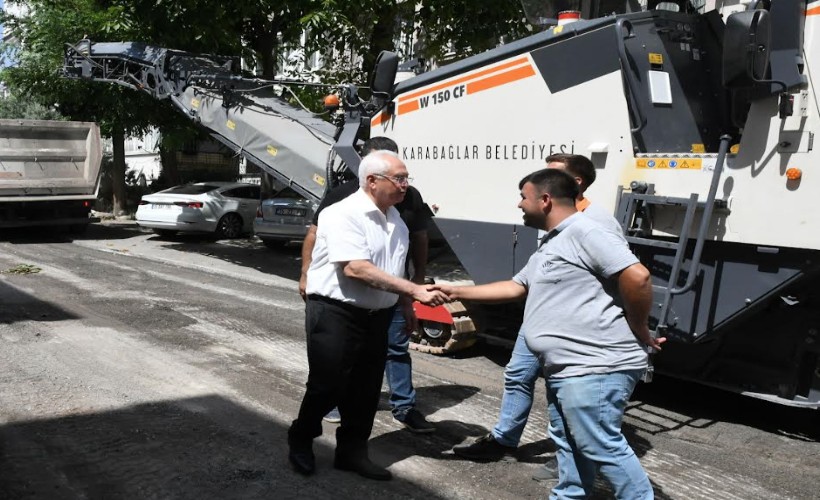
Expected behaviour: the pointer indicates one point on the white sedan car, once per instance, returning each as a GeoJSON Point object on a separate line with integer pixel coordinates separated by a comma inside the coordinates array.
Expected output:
{"type": "Point", "coordinates": [226, 209]}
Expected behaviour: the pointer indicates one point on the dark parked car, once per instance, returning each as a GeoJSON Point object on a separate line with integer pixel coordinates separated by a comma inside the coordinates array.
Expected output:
{"type": "Point", "coordinates": [283, 218]}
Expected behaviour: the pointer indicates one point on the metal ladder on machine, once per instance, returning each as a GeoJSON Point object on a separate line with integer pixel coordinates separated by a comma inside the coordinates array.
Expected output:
{"type": "Point", "coordinates": [634, 214]}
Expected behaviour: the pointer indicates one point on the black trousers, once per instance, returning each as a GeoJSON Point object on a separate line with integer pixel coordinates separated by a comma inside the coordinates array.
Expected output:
{"type": "Point", "coordinates": [346, 348]}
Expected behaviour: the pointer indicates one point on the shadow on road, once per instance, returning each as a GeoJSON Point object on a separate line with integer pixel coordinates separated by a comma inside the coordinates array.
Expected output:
{"type": "Point", "coordinates": [393, 447]}
{"type": "Point", "coordinates": [37, 235]}
{"type": "Point", "coordinates": [694, 405]}
{"type": "Point", "coordinates": [111, 231]}
{"type": "Point", "coordinates": [18, 305]}
{"type": "Point", "coordinates": [206, 447]}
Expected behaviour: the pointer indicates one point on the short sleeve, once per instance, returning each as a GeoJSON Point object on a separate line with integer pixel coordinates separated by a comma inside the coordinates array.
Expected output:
{"type": "Point", "coordinates": [605, 252]}
{"type": "Point", "coordinates": [345, 236]}
{"type": "Point", "coordinates": [522, 277]}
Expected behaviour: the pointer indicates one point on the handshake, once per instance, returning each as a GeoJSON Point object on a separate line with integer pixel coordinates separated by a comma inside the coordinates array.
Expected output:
{"type": "Point", "coordinates": [434, 295]}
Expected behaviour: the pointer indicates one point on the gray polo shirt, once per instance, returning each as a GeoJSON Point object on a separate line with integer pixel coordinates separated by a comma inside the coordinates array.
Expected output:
{"type": "Point", "coordinates": [600, 215]}
{"type": "Point", "coordinates": [573, 318]}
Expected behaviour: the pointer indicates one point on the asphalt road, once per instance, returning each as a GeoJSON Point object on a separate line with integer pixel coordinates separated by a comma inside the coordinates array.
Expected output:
{"type": "Point", "coordinates": [135, 367]}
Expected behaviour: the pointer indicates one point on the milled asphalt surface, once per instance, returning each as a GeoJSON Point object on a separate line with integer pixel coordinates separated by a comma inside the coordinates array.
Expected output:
{"type": "Point", "coordinates": [135, 367]}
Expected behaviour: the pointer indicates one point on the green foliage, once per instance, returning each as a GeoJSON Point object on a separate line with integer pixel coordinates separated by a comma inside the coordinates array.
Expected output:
{"type": "Point", "coordinates": [348, 33]}
{"type": "Point", "coordinates": [22, 269]}
{"type": "Point", "coordinates": [12, 107]}
{"type": "Point", "coordinates": [455, 29]}
{"type": "Point", "coordinates": [42, 34]}
{"type": "Point", "coordinates": [351, 33]}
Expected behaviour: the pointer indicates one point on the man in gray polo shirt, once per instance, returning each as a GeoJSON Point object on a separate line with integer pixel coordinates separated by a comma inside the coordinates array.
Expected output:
{"type": "Point", "coordinates": [586, 313]}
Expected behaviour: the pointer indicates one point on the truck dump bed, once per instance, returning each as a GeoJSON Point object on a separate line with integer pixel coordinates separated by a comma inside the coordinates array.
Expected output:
{"type": "Point", "coordinates": [49, 160]}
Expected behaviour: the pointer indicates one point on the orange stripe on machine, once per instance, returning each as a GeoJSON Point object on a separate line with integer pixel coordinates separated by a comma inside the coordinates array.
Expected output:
{"type": "Point", "coordinates": [814, 11]}
{"type": "Point", "coordinates": [460, 87]}
{"type": "Point", "coordinates": [376, 120]}
{"type": "Point", "coordinates": [406, 107]}
{"type": "Point", "coordinates": [514, 62]}
{"type": "Point", "coordinates": [501, 79]}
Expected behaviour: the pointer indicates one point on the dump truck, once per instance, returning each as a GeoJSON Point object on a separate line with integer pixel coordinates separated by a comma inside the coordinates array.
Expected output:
{"type": "Point", "coordinates": [49, 173]}
{"type": "Point", "coordinates": [700, 118]}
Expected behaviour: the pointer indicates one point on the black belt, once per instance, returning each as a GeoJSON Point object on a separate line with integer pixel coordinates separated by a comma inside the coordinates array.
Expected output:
{"type": "Point", "coordinates": [347, 305]}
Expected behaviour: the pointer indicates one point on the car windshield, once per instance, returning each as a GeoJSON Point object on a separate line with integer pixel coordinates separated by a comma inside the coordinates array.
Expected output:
{"type": "Point", "coordinates": [192, 189]}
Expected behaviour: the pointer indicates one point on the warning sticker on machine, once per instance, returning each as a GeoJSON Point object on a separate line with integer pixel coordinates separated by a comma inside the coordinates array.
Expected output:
{"type": "Point", "coordinates": [669, 163]}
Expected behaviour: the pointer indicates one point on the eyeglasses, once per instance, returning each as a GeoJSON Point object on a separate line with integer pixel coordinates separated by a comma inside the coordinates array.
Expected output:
{"type": "Point", "coordinates": [399, 180]}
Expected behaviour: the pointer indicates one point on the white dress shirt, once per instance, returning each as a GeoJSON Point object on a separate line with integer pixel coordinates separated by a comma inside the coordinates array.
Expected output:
{"type": "Point", "coordinates": [355, 229]}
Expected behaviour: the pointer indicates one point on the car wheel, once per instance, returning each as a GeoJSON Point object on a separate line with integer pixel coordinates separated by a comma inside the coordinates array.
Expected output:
{"type": "Point", "coordinates": [274, 244]}
{"type": "Point", "coordinates": [229, 226]}
{"type": "Point", "coordinates": [167, 233]}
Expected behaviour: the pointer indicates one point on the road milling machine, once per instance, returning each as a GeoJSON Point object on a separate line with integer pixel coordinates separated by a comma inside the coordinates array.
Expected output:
{"type": "Point", "coordinates": [699, 117]}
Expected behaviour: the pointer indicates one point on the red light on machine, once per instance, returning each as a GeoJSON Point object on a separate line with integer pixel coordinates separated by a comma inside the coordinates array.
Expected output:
{"type": "Point", "coordinates": [331, 102]}
{"type": "Point", "coordinates": [86, 204]}
{"type": "Point", "coordinates": [568, 16]}
{"type": "Point", "coordinates": [793, 174]}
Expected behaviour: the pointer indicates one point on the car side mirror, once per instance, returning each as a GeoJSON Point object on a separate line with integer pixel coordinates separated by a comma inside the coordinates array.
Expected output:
{"type": "Point", "coordinates": [746, 43]}
{"type": "Point", "coordinates": [384, 74]}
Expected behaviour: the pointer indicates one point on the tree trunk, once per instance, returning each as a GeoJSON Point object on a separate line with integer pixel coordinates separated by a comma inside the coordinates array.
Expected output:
{"type": "Point", "coordinates": [265, 48]}
{"type": "Point", "coordinates": [381, 38]}
{"type": "Point", "coordinates": [168, 160]}
{"type": "Point", "coordinates": [118, 172]}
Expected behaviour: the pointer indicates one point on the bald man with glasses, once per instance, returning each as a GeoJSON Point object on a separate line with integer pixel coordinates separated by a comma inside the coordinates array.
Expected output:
{"type": "Point", "coordinates": [354, 284]}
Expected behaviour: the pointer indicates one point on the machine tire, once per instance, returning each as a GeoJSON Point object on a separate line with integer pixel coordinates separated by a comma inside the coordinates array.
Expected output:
{"type": "Point", "coordinates": [445, 338]}
{"type": "Point", "coordinates": [229, 226]}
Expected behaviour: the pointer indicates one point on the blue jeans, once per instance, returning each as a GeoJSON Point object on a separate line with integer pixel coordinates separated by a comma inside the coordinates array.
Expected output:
{"type": "Point", "coordinates": [399, 367]}
{"type": "Point", "coordinates": [520, 376]}
{"type": "Point", "coordinates": [585, 423]}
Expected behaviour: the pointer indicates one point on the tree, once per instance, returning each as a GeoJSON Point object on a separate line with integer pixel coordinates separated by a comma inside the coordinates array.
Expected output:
{"type": "Point", "coordinates": [454, 29]}
{"type": "Point", "coordinates": [13, 107]}
{"type": "Point", "coordinates": [350, 32]}
{"type": "Point", "coordinates": [445, 30]}
{"type": "Point", "coordinates": [203, 26]}
{"type": "Point", "coordinates": [42, 33]}
{"type": "Point", "coordinates": [255, 29]}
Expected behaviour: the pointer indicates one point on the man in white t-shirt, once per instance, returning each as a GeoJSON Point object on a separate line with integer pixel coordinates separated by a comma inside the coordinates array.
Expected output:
{"type": "Point", "coordinates": [354, 282]}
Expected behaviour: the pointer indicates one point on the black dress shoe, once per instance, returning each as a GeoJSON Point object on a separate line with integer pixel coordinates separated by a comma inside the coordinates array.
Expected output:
{"type": "Point", "coordinates": [303, 461]}
{"type": "Point", "coordinates": [363, 467]}
{"type": "Point", "coordinates": [301, 455]}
